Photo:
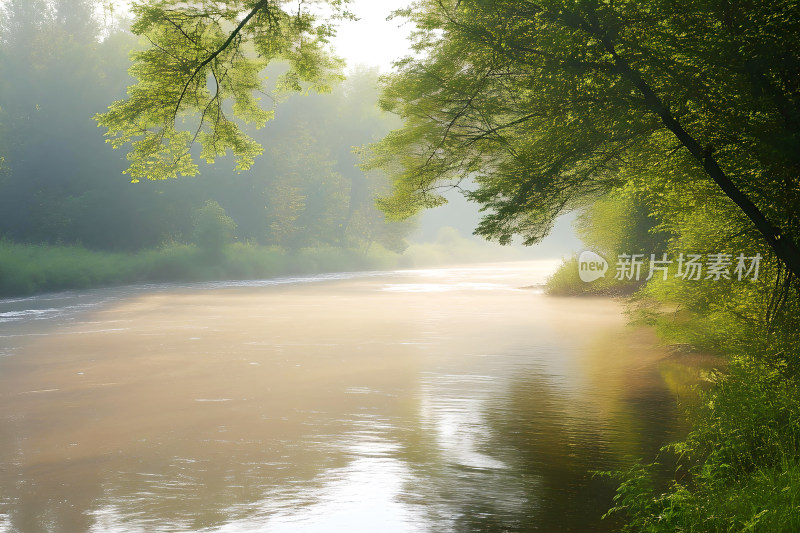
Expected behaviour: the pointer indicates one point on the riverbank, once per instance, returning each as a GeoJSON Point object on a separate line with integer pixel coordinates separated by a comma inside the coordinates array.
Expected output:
{"type": "Point", "coordinates": [27, 269]}
{"type": "Point", "coordinates": [31, 269]}
{"type": "Point", "coordinates": [565, 281]}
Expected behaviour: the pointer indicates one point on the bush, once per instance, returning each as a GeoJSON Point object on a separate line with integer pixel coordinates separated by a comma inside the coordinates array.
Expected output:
{"type": "Point", "coordinates": [213, 229]}
{"type": "Point", "coordinates": [566, 282]}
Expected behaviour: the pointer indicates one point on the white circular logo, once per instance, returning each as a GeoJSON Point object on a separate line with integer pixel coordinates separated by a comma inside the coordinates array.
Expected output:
{"type": "Point", "coordinates": [591, 266]}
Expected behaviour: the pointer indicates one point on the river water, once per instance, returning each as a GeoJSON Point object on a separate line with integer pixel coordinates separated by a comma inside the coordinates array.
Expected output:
{"type": "Point", "coordinates": [451, 399]}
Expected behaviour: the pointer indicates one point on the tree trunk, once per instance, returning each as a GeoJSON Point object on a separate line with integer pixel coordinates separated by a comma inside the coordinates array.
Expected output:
{"type": "Point", "coordinates": [785, 248]}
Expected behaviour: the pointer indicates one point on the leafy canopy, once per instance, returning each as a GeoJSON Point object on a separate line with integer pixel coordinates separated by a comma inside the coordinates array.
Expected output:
{"type": "Point", "coordinates": [550, 104]}
{"type": "Point", "coordinates": [201, 69]}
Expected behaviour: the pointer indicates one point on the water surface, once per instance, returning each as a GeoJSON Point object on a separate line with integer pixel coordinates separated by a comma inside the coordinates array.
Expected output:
{"type": "Point", "coordinates": [458, 399]}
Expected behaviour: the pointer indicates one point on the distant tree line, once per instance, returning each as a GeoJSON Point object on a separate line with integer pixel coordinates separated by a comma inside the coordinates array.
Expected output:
{"type": "Point", "coordinates": [60, 183]}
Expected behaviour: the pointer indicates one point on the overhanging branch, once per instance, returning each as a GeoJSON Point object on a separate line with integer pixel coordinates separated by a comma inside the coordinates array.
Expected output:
{"type": "Point", "coordinates": [784, 246]}
{"type": "Point", "coordinates": [258, 7]}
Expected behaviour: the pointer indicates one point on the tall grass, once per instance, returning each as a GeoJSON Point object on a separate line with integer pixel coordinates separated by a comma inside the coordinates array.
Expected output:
{"type": "Point", "coordinates": [566, 282]}
{"type": "Point", "coordinates": [30, 269]}
{"type": "Point", "coordinates": [27, 269]}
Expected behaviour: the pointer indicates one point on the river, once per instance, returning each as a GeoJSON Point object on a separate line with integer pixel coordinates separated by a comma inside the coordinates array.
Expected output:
{"type": "Point", "coordinates": [449, 399]}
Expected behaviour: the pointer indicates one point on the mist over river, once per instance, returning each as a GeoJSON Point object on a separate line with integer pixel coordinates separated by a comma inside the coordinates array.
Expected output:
{"type": "Point", "coordinates": [450, 399]}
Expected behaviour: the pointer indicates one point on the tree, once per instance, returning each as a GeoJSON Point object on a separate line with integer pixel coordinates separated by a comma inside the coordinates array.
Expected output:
{"type": "Point", "coordinates": [306, 190]}
{"type": "Point", "coordinates": [201, 57]}
{"type": "Point", "coordinates": [213, 228]}
{"type": "Point", "coordinates": [553, 103]}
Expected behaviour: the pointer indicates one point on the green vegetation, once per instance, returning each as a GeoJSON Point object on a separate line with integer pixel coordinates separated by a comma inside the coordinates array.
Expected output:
{"type": "Point", "coordinates": [742, 471]}
{"type": "Point", "coordinates": [77, 221]}
{"type": "Point", "coordinates": [738, 467]}
{"type": "Point", "coordinates": [29, 269]}
{"type": "Point", "coordinates": [213, 229]}
{"type": "Point", "coordinates": [565, 282]}
{"type": "Point", "coordinates": [198, 63]}
{"type": "Point", "coordinates": [614, 224]}
{"type": "Point", "coordinates": [553, 104]}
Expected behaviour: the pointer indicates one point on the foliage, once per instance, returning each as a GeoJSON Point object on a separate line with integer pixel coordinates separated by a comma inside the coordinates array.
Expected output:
{"type": "Point", "coordinates": [213, 229]}
{"type": "Point", "coordinates": [621, 223]}
{"type": "Point", "coordinates": [742, 458]}
{"type": "Point", "coordinates": [553, 104]}
{"type": "Point", "coordinates": [618, 223]}
{"type": "Point", "coordinates": [60, 184]}
{"type": "Point", "coordinates": [566, 282]}
{"type": "Point", "coordinates": [738, 466]}
{"type": "Point", "coordinates": [201, 57]}
{"type": "Point", "coordinates": [29, 269]}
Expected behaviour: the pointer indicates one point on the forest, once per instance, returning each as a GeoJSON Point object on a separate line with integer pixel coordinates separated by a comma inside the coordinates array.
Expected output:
{"type": "Point", "coordinates": [70, 218]}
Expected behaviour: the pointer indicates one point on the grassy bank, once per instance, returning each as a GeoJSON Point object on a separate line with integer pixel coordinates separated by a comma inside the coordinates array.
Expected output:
{"type": "Point", "coordinates": [30, 269]}
{"type": "Point", "coordinates": [740, 469]}
{"type": "Point", "coordinates": [566, 282]}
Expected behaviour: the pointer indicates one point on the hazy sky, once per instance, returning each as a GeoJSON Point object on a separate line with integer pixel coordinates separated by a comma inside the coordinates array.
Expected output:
{"type": "Point", "coordinates": [372, 39]}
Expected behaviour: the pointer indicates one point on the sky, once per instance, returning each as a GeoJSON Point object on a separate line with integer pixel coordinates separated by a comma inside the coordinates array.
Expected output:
{"type": "Point", "coordinates": [373, 40]}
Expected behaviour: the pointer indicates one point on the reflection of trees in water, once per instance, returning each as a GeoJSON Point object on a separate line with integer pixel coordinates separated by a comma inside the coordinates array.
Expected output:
{"type": "Point", "coordinates": [527, 465]}
{"type": "Point", "coordinates": [543, 445]}
{"type": "Point", "coordinates": [460, 480]}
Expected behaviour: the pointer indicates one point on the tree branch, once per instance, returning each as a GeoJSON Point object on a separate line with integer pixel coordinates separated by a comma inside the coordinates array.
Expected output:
{"type": "Point", "coordinates": [258, 7]}
{"type": "Point", "coordinates": [785, 248]}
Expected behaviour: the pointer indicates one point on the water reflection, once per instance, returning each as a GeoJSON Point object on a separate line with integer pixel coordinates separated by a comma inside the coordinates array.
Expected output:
{"type": "Point", "coordinates": [472, 405]}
